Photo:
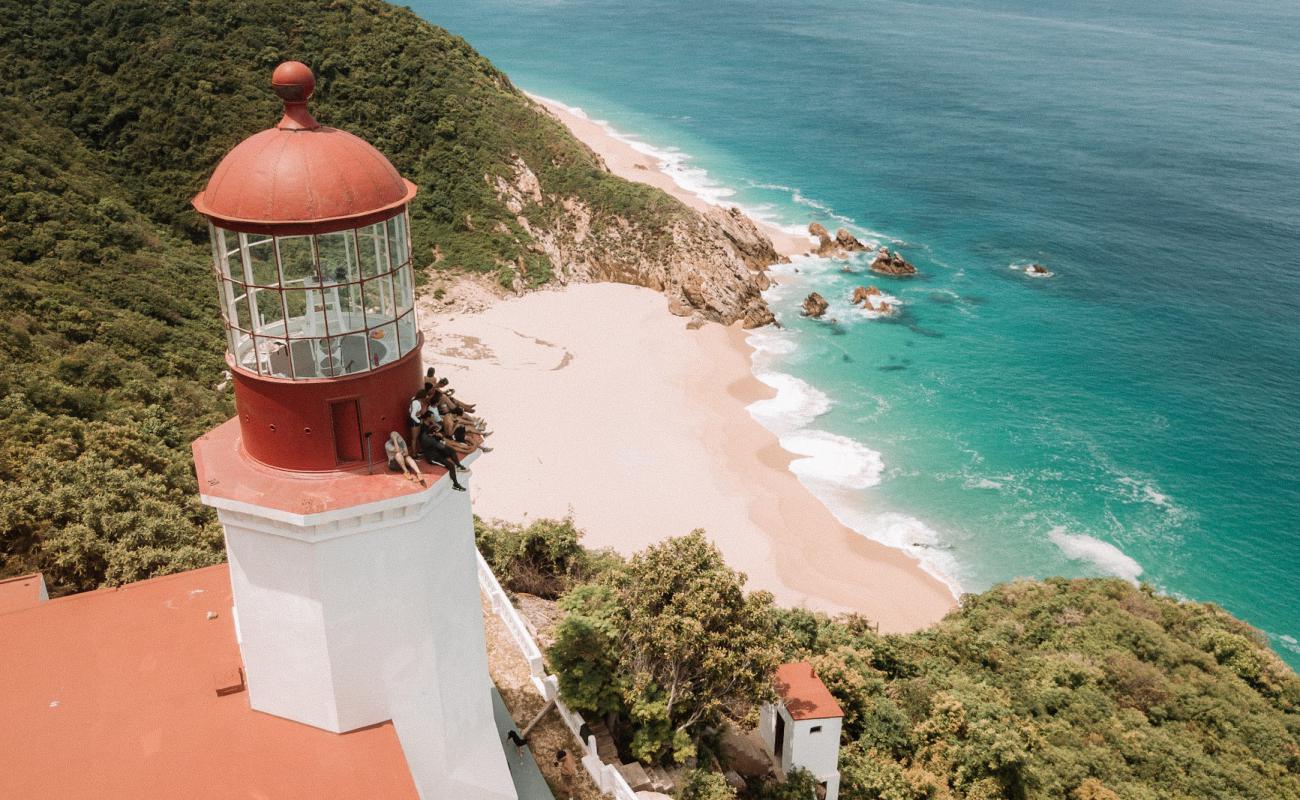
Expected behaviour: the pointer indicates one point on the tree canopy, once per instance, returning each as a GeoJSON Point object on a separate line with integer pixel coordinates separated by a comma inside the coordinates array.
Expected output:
{"type": "Point", "coordinates": [1088, 689]}
{"type": "Point", "coordinates": [666, 643]}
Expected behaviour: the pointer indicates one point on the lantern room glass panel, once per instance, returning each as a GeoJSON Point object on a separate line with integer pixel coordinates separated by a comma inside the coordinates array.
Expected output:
{"type": "Point", "coordinates": [406, 332]}
{"type": "Point", "coordinates": [372, 244]}
{"type": "Point", "coordinates": [353, 353]}
{"type": "Point", "coordinates": [338, 257]}
{"type": "Point", "coordinates": [263, 269]}
{"type": "Point", "coordinates": [384, 346]}
{"type": "Point", "coordinates": [297, 261]}
{"type": "Point", "coordinates": [317, 306]}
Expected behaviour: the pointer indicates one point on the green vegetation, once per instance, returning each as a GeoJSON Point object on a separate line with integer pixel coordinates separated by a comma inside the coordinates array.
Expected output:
{"type": "Point", "coordinates": [666, 642]}
{"type": "Point", "coordinates": [1084, 689]}
{"type": "Point", "coordinates": [113, 114]}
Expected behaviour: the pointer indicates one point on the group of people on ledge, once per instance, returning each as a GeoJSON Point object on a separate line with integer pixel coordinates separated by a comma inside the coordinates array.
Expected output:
{"type": "Point", "coordinates": [442, 429]}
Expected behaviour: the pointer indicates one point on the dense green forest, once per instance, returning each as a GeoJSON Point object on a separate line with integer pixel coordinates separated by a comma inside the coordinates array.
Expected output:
{"type": "Point", "coordinates": [112, 116]}
{"type": "Point", "coordinates": [1088, 689]}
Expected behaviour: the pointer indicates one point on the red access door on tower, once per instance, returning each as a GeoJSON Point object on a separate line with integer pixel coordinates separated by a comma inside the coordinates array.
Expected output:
{"type": "Point", "coordinates": [347, 430]}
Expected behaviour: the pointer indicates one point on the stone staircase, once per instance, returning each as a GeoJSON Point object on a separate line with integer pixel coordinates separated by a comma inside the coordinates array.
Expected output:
{"type": "Point", "coordinates": [604, 742]}
{"type": "Point", "coordinates": [638, 776]}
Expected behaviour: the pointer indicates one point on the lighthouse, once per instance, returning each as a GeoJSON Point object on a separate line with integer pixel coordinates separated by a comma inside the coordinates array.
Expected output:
{"type": "Point", "coordinates": [355, 599]}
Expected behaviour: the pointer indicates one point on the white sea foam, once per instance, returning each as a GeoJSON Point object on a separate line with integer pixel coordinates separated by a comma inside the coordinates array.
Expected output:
{"type": "Point", "coordinates": [874, 307]}
{"type": "Point", "coordinates": [796, 405]}
{"type": "Point", "coordinates": [833, 460]}
{"type": "Point", "coordinates": [1145, 491]}
{"type": "Point", "coordinates": [1105, 556]}
{"type": "Point", "coordinates": [906, 533]}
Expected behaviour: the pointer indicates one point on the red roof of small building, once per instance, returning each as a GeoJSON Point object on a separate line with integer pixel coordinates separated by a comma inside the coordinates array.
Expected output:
{"type": "Point", "coordinates": [301, 172]}
{"type": "Point", "coordinates": [137, 692]}
{"type": "Point", "coordinates": [803, 693]}
{"type": "Point", "coordinates": [23, 591]}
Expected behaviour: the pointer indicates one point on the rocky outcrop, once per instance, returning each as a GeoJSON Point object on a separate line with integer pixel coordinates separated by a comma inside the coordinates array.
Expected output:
{"type": "Point", "coordinates": [710, 266]}
{"type": "Point", "coordinates": [848, 242]}
{"type": "Point", "coordinates": [814, 305]}
{"type": "Point", "coordinates": [863, 294]}
{"type": "Point", "coordinates": [825, 244]}
{"type": "Point", "coordinates": [887, 263]}
{"type": "Point", "coordinates": [1038, 271]}
{"type": "Point", "coordinates": [843, 243]}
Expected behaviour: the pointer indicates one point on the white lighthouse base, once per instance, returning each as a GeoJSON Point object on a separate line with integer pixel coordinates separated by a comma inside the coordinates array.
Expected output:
{"type": "Point", "coordinates": [355, 616]}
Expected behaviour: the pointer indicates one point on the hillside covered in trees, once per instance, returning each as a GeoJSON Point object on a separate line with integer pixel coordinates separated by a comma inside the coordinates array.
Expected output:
{"type": "Point", "coordinates": [113, 114]}
{"type": "Point", "coordinates": [1087, 689]}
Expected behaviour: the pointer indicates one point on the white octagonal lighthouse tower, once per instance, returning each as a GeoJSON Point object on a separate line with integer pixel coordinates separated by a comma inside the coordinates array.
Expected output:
{"type": "Point", "coordinates": [355, 592]}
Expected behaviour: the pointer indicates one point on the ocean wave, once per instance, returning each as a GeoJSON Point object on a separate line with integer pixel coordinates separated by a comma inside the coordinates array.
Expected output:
{"type": "Point", "coordinates": [834, 460]}
{"type": "Point", "coordinates": [1103, 555]}
{"type": "Point", "coordinates": [902, 532]}
{"type": "Point", "coordinates": [834, 468]}
{"type": "Point", "coordinates": [796, 404]}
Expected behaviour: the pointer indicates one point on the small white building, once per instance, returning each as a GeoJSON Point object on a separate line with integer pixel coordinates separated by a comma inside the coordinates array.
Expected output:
{"type": "Point", "coordinates": [802, 729]}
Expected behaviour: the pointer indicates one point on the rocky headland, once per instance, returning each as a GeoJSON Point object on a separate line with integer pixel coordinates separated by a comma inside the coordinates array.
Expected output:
{"type": "Point", "coordinates": [710, 264]}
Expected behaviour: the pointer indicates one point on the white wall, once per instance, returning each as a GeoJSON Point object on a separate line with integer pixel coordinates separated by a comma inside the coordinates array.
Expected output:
{"type": "Point", "coordinates": [818, 752]}
{"type": "Point", "coordinates": [347, 619]}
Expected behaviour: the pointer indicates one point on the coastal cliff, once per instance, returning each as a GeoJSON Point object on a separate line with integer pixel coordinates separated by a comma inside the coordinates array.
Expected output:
{"type": "Point", "coordinates": [709, 265]}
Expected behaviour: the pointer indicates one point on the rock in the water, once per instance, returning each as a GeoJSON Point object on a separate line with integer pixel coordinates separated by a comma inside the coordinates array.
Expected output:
{"type": "Point", "coordinates": [814, 305]}
{"type": "Point", "coordinates": [863, 294]}
{"type": "Point", "coordinates": [1038, 271]}
{"type": "Point", "coordinates": [848, 242]}
{"type": "Point", "coordinates": [843, 243]}
{"type": "Point", "coordinates": [888, 263]}
{"type": "Point", "coordinates": [825, 244]}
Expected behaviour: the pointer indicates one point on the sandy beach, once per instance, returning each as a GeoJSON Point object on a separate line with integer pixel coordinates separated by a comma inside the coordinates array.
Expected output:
{"type": "Point", "coordinates": [633, 165]}
{"type": "Point", "coordinates": [607, 407]}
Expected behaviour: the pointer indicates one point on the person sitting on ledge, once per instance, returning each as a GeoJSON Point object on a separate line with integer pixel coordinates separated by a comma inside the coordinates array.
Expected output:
{"type": "Point", "coordinates": [435, 450]}
{"type": "Point", "coordinates": [459, 436]}
{"type": "Point", "coordinates": [440, 396]}
{"type": "Point", "coordinates": [418, 408]}
{"type": "Point", "coordinates": [440, 392]}
{"type": "Point", "coordinates": [399, 458]}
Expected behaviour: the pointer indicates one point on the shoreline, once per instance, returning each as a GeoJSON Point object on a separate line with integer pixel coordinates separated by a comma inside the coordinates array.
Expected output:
{"type": "Point", "coordinates": [625, 161]}
{"type": "Point", "coordinates": [606, 407]}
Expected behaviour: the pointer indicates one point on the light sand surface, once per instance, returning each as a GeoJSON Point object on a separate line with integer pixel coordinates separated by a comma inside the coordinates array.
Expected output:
{"type": "Point", "coordinates": [605, 406]}
{"type": "Point", "coordinates": [626, 162]}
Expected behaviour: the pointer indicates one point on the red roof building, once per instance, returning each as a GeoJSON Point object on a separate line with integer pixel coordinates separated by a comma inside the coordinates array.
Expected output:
{"type": "Point", "coordinates": [138, 692]}
{"type": "Point", "coordinates": [804, 694]}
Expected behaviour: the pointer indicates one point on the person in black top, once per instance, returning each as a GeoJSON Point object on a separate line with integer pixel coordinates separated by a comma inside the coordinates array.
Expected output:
{"type": "Point", "coordinates": [435, 451]}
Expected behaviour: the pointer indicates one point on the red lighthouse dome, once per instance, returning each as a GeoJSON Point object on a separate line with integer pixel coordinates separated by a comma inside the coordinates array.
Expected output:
{"type": "Point", "coordinates": [300, 174]}
{"type": "Point", "coordinates": [312, 255]}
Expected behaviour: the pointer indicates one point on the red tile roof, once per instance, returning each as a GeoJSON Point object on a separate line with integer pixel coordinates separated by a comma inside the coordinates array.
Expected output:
{"type": "Point", "coordinates": [137, 692]}
{"type": "Point", "coordinates": [804, 694]}
{"type": "Point", "coordinates": [23, 591]}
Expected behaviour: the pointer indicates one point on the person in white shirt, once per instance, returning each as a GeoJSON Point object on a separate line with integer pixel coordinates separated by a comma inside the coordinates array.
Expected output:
{"type": "Point", "coordinates": [415, 414]}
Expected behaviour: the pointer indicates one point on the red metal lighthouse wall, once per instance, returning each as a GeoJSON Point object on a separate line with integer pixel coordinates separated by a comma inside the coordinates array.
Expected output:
{"type": "Point", "coordinates": [322, 425]}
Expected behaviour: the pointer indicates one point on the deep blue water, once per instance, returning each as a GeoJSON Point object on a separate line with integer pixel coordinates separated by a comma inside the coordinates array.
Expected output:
{"type": "Point", "coordinates": [1136, 414]}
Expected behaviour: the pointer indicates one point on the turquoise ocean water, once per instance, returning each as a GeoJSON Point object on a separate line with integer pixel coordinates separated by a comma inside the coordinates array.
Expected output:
{"type": "Point", "coordinates": [1137, 414]}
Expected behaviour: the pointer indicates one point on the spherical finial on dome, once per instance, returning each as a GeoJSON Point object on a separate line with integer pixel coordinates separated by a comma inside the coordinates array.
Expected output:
{"type": "Point", "coordinates": [294, 83]}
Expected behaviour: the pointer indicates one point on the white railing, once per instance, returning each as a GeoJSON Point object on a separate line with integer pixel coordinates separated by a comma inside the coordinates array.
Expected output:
{"type": "Point", "coordinates": [606, 777]}
{"type": "Point", "coordinates": [503, 608]}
